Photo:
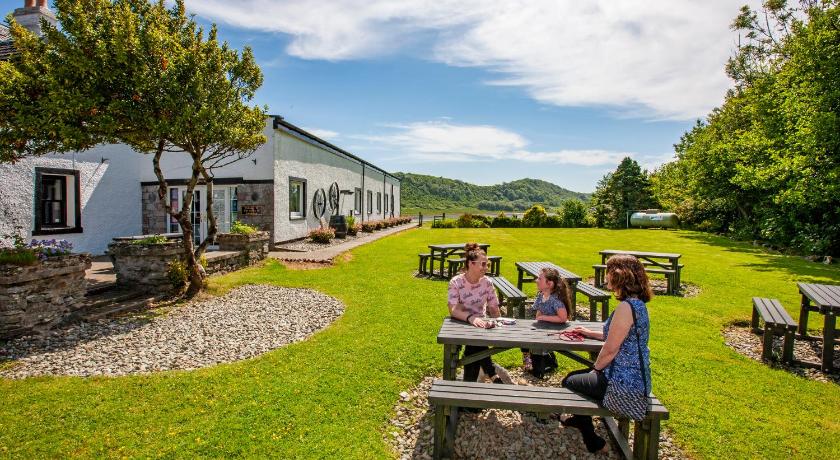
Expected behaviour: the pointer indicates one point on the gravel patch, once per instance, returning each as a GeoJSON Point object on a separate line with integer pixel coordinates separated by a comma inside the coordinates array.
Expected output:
{"type": "Point", "coordinates": [498, 433]}
{"type": "Point", "coordinates": [306, 245]}
{"type": "Point", "coordinates": [742, 340]}
{"type": "Point", "coordinates": [246, 322]}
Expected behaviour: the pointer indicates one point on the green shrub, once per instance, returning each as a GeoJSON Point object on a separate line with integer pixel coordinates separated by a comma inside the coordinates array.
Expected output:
{"type": "Point", "coordinates": [242, 228]}
{"type": "Point", "coordinates": [177, 274]}
{"type": "Point", "coordinates": [154, 239]}
{"type": "Point", "coordinates": [445, 223]}
{"type": "Point", "coordinates": [503, 221]}
{"type": "Point", "coordinates": [354, 229]}
{"type": "Point", "coordinates": [18, 257]}
{"type": "Point", "coordinates": [351, 221]}
{"type": "Point", "coordinates": [322, 235]}
{"type": "Point", "coordinates": [534, 216]}
{"type": "Point", "coordinates": [368, 227]}
{"type": "Point", "coordinates": [552, 222]}
{"type": "Point", "coordinates": [572, 214]}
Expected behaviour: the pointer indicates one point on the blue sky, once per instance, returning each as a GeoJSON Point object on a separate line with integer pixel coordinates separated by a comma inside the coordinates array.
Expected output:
{"type": "Point", "coordinates": [482, 91]}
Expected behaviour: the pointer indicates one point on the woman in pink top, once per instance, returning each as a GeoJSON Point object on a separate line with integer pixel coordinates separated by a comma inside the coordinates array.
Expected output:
{"type": "Point", "coordinates": [471, 298]}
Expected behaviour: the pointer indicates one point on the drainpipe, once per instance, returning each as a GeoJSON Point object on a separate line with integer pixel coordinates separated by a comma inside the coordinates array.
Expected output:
{"type": "Point", "coordinates": [364, 194]}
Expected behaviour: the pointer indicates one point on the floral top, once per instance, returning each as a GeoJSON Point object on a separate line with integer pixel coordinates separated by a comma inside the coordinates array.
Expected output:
{"type": "Point", "coordinates": [474, 297]}
{"type": "Point", "coordinates": [548, 307]}
{"type": "Point", "coordinates": [624, 369]}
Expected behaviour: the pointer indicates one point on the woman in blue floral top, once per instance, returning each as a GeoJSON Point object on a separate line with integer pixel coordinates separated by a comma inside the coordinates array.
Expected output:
{"type": "Point", "coordinates": [619, 362]}
{"type": "Point", "coordinates": [551, 306]}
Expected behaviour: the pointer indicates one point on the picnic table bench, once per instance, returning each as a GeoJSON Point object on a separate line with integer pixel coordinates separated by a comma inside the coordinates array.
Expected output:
{"type": "Point", "coordinates": [596, 297]}
{"type": "Point", "coordinates": [454, 265]}
{"type": "Point", "coordinates": [512, 298]}
{"type": "Point", "coordinates": [661, 263]}
{"type": "Point", "coordinates": [448, 395]}
{"type": "Point", "coordinates": [777, 321]}
{"type": "Point", "coordinates": [529, 271]}
{"type": "Point", "coordinates": [826, 301]}
{"type": "Point", "coordinates": [441, 252]}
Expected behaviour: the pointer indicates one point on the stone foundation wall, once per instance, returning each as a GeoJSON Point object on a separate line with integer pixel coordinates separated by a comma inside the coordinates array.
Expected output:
{"type": "Point", "coordinates": [256, 205]}
{"type": "Point", "coordinates": [254, 246]}
{"type": "Point", "coordinates": [154, 216]}
{"type": "Point", "coordinates": [144, 265]}
{"type": "Point", "coordinates": [35, 298]}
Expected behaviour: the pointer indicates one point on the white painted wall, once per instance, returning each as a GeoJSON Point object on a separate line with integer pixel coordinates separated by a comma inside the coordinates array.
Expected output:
{"type": "Point", "coordinates": [110, 195]}
{"type": "Point", "coordinates": [297, 158]}
{"type": "Point", "coordinates": [178, 165]}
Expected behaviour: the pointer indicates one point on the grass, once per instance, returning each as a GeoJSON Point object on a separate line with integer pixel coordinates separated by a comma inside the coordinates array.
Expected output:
{"type": "Point", "coordinates": [332, 396]}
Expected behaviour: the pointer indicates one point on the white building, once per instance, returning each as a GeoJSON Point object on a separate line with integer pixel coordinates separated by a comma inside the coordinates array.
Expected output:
{"type": "Point", "coordinates": [289, 186]}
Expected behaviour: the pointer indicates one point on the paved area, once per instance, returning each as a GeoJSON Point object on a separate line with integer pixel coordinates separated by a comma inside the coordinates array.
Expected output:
{"type": "Point", "coordinates": [327, 254]}
{"type": "Point", "coordinates": [101, 272]}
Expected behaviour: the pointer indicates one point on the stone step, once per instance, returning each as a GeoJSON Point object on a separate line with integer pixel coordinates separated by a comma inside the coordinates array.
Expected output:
{"type": "Point", "coordinates": [121, 304]}
{"type": "Point", "coordinates": [100, 287]}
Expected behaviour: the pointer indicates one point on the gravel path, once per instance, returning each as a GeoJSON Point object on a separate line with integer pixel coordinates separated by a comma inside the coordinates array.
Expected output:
{"type": "Point", "coordinates": [307, 245]}
{"type": "Point", "coordinates": [246, 322]}
{"type": "Point", "coordinates": [497, 433]}
{"type": "Point", "coordinates": [743, 341]}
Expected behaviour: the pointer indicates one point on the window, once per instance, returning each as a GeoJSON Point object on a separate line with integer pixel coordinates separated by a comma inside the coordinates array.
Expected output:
{"type": "Point", "coordinates": [378, 202]}
{"type": "Point", "coordinates": [297, 198]}
{"type": "Point", "coordinates": [386, 203]}
{"type": "Point", "coordinates": [357, 203]}
{"type": "Point", "coordinates": [370, 202]}
{"type": "Point", "coordinates": [58, 207]}
{"type": "Point", "coordinates": [234, 205]}
{"type": "Point", "coordinates": [392, 203]}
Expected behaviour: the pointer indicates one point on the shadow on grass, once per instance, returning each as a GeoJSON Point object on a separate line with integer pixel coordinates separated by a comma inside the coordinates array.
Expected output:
{"type": "Point", "coordinates": [800, 268]}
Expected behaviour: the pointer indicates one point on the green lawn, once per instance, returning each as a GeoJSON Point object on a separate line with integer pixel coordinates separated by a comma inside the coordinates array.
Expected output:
{"type": "Point", "coordinates": [332, 396]}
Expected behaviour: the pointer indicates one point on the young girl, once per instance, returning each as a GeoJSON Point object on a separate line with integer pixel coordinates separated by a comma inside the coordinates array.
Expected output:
{"type": "Point", "coordinates": [551, 305]}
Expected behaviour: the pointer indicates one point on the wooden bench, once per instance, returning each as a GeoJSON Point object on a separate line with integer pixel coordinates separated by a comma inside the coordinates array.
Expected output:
{"type": "Point", "coordinates": [447, 396]}
{"type": "Point", "coordinates": [454, 265]}
{"type": "Point", "coordinates": [670, 276]}
{"type": "Point", "coordinates": [424, 262]}
{"type": "Point", "coordinates": [510, 296]}
{"type": "Point", "coordinates": [495, 268]}
{"type": "Point", "coordinates": [596, 296]}
{"type": "Point", "coordinates": [777, 321]}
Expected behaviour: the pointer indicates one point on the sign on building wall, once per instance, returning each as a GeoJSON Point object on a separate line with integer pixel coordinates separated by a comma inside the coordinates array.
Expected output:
{"type": "Point", "coordinates": [251, 210]}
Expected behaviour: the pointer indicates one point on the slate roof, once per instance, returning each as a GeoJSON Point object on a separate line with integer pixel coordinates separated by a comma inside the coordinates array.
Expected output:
{"type": "Point", "coordinates": [6, 47]}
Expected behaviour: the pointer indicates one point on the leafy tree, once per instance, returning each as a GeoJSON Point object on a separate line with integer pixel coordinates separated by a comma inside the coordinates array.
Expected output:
{"type": "Point", "coordinates": [625, 189]}
{"type": "Point", "coordinates": [572, 214]}
{"type": "Point", "coordinates": [138, 73]}
{"type": "Point", "coordinates": [534, 216]}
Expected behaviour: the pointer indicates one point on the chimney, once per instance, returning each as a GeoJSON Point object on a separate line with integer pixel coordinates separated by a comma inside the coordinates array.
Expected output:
{"type": "Point", "coordinates": [31, 14]}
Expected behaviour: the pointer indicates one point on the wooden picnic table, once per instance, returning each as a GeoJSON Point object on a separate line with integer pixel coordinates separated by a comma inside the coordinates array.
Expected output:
{"type": "Point", "coordinates": [442, 251]}
{"type": "Point", "coordinates": [529, 271]}
{"type": "Point", "coordinates": [826, 301]}
{"type": "Point", "coordinates": [663, 260]}
{"type": "Point", "coordinates": [524, 334]}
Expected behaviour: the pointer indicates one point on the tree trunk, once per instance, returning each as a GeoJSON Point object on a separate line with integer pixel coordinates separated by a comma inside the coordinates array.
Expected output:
{"type": "Point", "coordinates": [195, 272]}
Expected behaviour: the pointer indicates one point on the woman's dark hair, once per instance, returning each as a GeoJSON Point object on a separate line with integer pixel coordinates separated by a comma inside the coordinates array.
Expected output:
{"type": "Point", "coordinates": [626, 276]}
{"type": "Point", "coordinates": [561, 289]}
{"type": "Point", "coordinates": [472, 252]}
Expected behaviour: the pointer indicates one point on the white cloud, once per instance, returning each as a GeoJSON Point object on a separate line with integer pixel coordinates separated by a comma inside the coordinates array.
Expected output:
{"type": "Point", "coordinates": [324, 134]}
{"type": "Point", "coordinates": [644, 58]}
{"type": "Point", "coordinates": [439, 141]}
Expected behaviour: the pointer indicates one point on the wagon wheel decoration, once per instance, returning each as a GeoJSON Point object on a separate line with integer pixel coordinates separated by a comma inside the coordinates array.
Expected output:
{"type": "Point", "coordinates": [333, 195]}
{"type": "Point", "coordinates": [319, 203]}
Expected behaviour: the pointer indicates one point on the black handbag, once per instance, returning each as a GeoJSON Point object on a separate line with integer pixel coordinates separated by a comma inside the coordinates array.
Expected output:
{"type": "Point", "coordinates": [626, 402]}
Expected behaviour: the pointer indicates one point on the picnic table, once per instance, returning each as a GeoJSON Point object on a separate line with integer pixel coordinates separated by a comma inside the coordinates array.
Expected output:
{"type": "Point", "coordinates": [442, 251]}
{"type": "Point", "coordinates": [826, 301]}
{"type": "Point", "coordinates": [524, 334]}
{"type": "Point", "coordinates": [654, 261]}
{"type": "Point", "coordinates": [529, 271]}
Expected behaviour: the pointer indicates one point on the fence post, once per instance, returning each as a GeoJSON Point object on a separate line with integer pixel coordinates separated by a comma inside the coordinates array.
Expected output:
{"type": "Point", "coordinates": [420, 219]}
{"type": "Point", "coordinates": [443, 217]}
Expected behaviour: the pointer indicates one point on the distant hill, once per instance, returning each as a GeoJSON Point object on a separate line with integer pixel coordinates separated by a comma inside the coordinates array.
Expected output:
{"type": "Point", "coordinates": [430, 192]}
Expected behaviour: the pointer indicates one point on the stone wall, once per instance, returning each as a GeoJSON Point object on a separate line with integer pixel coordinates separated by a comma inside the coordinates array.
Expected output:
{"type": "Point", "coordinates": [253, 247]}
{"type": "Point", "coordinates": [144, 265]}
{"type": "Point", "coordinates": [35, 298]}
{"type": "Point", "coordinates": [260, 199]}
{"type": "Point", "coordinates": [154, 216]}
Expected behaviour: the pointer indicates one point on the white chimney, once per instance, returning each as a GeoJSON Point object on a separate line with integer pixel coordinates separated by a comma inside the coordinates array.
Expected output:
{"type": "Point", "coordinates": [30, 15]}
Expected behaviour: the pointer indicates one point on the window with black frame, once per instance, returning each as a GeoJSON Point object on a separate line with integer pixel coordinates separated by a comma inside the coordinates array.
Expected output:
{"type": "Point", "coordinates": [357, 204]}
{"type": "Point", "coordinates": [57, 204]}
